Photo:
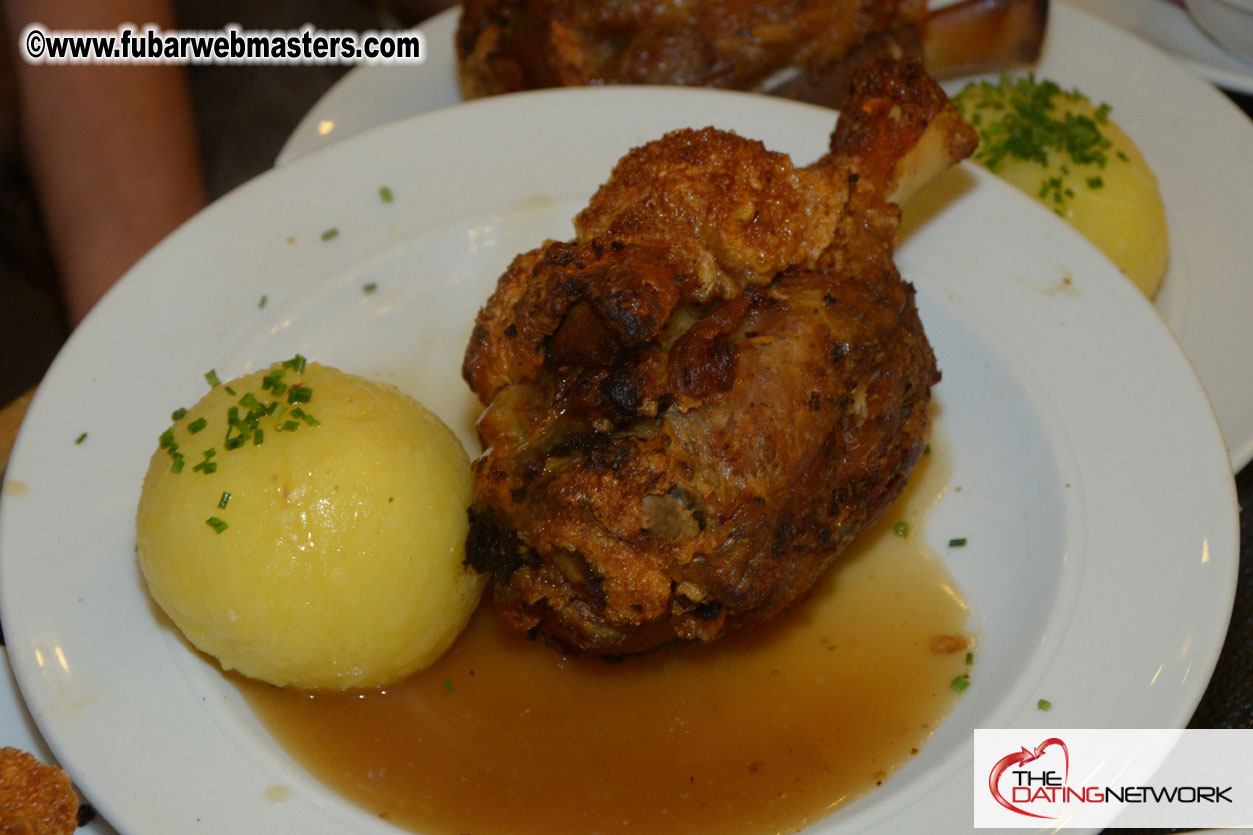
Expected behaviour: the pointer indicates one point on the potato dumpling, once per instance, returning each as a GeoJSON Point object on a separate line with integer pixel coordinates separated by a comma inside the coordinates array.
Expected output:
{"type": "Point", "coordinates": [306, 527]}
{"type": "Point", "coordinates": [1068, 154]}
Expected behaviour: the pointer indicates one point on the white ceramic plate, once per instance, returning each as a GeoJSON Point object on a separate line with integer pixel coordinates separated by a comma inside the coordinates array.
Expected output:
{"type": "Point", "coordinates": [1195, 139]}
{"type": "Point", "coordinates": [1169, 25]}
{"type": "Point", "coordinates": [17, 729]}
{"type": "Point", "coordinates": [1098, 500]}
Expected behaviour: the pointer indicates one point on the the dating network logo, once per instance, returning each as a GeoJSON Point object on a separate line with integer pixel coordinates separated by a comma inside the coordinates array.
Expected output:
{"type": "Point", "coordinates": [1081, 777]}
{"type": "Point", "coordinates": [1030, 785]}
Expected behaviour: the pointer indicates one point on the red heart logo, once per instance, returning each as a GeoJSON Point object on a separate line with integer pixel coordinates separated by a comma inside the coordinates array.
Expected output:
{"type": "Point", "coordinates": [1023, 757]}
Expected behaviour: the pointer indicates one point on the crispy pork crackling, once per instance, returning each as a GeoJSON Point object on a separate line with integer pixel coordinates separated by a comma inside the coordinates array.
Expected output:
{"type": "Point", "coordinates": [695, 405]}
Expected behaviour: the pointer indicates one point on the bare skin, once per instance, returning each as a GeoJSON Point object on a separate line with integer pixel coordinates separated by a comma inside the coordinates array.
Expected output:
{"type": "Point", "coordinates": [112, 149]}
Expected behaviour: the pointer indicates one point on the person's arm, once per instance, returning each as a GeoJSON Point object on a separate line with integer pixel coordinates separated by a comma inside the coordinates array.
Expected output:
{"type": "Point", "coordinates": [112, 149]}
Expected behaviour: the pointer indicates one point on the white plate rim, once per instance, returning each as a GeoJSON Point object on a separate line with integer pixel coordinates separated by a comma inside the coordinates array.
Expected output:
{"type": "Point", "coordinates": [1172, 28]}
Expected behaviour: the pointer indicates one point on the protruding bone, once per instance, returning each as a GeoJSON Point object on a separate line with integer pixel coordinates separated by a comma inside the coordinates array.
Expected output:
{"type": "Point", "coordinates": [969, 37]}
{"type": "Point", "coordinates": [900, 130]}
{"type": "Point", "coordinates": [977, 36]}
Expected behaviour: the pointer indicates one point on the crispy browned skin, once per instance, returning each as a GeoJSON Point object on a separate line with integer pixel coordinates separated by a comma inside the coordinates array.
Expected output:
{"type": "Point", "coordinates": [507, 45]}
{"type": "Point", "coordinates": [694, 406]}
{"type": "Point", "coordinates": [803, 49]}
{"type": "Point", "coordinates": [35, 799]}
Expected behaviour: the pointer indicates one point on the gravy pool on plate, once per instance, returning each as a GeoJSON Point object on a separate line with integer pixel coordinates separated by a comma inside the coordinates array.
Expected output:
{"type": "Point", "coordinates": [765, 730]}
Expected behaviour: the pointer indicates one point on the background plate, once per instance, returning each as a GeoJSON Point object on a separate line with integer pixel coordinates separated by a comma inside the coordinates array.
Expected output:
{"type": "Point", "coordinates": [1169, 26]}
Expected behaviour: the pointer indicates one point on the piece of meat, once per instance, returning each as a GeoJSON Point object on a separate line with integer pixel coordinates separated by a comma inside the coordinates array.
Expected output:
{"type": "Point", "coordinates": [522, 44]}
{"type": "Point", "coordinates": [35, 799]}
{"type": "Point", "coordinates": [697, 403]}
{"type": "Point", "coordinates": [803, 49]}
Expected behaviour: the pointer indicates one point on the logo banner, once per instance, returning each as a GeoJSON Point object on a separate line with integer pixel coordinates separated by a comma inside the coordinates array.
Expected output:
{"type": "Point", "coordinates": [1059, 778]}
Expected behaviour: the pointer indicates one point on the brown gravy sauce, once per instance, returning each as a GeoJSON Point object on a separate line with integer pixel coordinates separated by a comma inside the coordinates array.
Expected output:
{"type": "Point", "coordinates": [767, 730]}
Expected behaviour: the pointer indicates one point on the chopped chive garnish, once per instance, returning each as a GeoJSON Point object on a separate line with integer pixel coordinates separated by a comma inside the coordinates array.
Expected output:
{"type": "Point", "coordinates": [901, 528]}
{"type": "Point", "coordinates": [447, 685]}
{"type": "Point", "coordinates": [1029, 120]}
{"type": "Point", "coordinates": [369, 287]}
{"type": "Point", "coordinates": [301, 414]}
{"type": "Point", "coordinates": [272, 383]}
{"type": "Point", "coordinates": [958, 542]}
{"type": "Point", "coordinates": [243, 420]}
{"type": "Point", "coordinates": [207, 466]}
{"type": "Point", "coordinates": [970, 658]}
{"type": "Point", "coordinates": [960, 683]}
{"type": "Point", "coordinates": [1044, 705]}
{"type": "Point", "coordinates": [385, 194]}
{"type": "Point", "coordinates": [330, 233]}
{"type": "Point", "coordinates": [261, 303]}
{"type": "Point", "coordinates": [217, 524]}
{"type": "Point", "coordinates": [80, 438]}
